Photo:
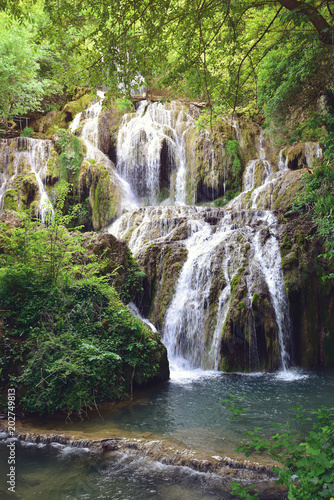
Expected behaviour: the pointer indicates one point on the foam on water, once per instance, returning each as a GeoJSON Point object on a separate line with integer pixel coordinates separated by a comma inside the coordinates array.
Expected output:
{"type": "Point", "coordinates": [182, 372]}
{"type": "Point", "coordinates": [291, 375]}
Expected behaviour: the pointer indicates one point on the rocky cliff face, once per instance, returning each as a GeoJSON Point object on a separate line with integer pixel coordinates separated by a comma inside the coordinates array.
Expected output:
{"type": "Point", "coordinates": [252, 282]}
{"type": "Point", "coordinates": [310, 294]}
{"type": "Point", "coordinates": [214, 284]}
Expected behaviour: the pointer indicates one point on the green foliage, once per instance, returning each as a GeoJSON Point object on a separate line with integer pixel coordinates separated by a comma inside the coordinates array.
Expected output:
{"type": "Point", "coordinates": [22, 87]}
{"type": "Point", "coordinates": [125, 105]}
{"type": "Point", "coordinates": [69, 342]}
{"type": "Point", "coordinates": [27, 132]}
{"type": "Point", "coordinates": [317, 198]}
{"type": "Point", "coordinates": [229, 195]}
{"type": "Point", "coordinates": [292, 76]}
{"type": "Point", "coordinates": [45, 252]}
{"type": "Point", "coordinates": [71, 154]}
{"type": "Point", "coordinates": [80, 346]}
{"type": "Point", "coordinates": [133, 280]}
{"type": "Point", "coordinates": [307, 459]}
{"type": "Point", "coordinates": [243, 492]}
{"type": "Point", "coordinates": [232, 404]}
{"type": "Point", "coordinates": [232, 148]}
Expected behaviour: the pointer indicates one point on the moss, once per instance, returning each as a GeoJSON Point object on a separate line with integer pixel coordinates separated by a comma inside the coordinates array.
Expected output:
{"type": "Point", "coordinates": [10, 200]}
{"type": "Point", "coordinates": [71, 109]}
{"type": "Point", "coordinates": [23, 192]}
{"type": "Point", "coordinates": [249, 194]}
{"type": "Point", "coordinates": [52, 172]}
{"type": "Point", "coordinates": [235, 281]}
{"type": "Point", "coordinates": [286, 245]}
{"type": "Point", "coordinates": [256, 300]}
{"type": "Point", "coordinates": [96, 184]}
{"type": "Point", "coordinates": [290, 260]}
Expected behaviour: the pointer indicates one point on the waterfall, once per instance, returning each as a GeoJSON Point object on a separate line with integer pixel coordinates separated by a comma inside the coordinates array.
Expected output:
{"type": "Point", "coordinates": [283, 165]}
{"type": "Point", "coordinates": [221, 246]}
{"type": "Point", "coordinates": [268, 259]}
{"type": "Point", "coordinates": [151, 151]}
{"type": "Point", "coordinates": [89, 135]}
{"type": "Point", "coordinates": [259, 167]}
{"type": "Point", "coordinates": [20, 156]}
{"type": "Point", "coordinates": [228, 255]}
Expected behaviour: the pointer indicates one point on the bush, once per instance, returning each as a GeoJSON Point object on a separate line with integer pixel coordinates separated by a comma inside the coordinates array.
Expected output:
{"type": "Point", "coordinates": [306, 460]}
{"type": "Point", "coordinates": [68, 341]}
{"type": "Point", "coordinates": [27, 132]}
{"type": "Point", "coordinates": [82, 347]}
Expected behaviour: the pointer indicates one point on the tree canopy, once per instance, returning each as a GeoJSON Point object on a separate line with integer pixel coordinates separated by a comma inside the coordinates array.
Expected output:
{"type": "Point", "coordinates": [220, 47]}
{"type": "Point", "coordinates": [222, 52]}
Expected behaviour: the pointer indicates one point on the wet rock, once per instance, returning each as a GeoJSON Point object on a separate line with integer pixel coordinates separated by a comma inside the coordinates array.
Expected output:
{"type": "Point", "coordinates": [301, 155]}
{"type": "Point", "coordinates": [310, 295]}
{"type": "Point", "coordinates": [96, 184]}
{"type": "Point", "coordinates": [111, 444]}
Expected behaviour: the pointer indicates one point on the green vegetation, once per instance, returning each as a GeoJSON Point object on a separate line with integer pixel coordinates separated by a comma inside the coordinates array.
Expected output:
{"type": "Point", "coordinates": [24, 80]}
{"type": "Point", "coordinates": [232, 148]}
{"type": "Point", "coordinates": [317, 198]}
{"type": "Point", "coordinates": [27, 132]}
{"type": "Point", "coordinates": [306, 465]}
{"type": "Point", "coordinates": [67, 341]}
{"type": "Point", "coordinates": [71, 154]}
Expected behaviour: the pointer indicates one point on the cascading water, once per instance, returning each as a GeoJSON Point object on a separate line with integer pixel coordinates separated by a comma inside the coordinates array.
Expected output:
{"type": "Point", "coordinates": [151, 151]}
{"type": "Point", "coordinates": [20, 156]}
{"type": "Point", "coordinates": [89, 135]}
{"type": "Point", "coordinates": [194, 322]}
{"type": "Point", "coordinates": [259, 165]}
{"type": "Point", "coordinates": [221, 247]}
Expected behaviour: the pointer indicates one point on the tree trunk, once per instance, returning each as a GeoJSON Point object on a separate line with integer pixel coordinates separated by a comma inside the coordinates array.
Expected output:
{"type": "Point", "coordinates": [319, 22]}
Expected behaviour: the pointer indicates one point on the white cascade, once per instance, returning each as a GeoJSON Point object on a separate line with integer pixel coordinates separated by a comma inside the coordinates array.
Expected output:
{"type": "Point", "coordinates": [268, 259]}
{"type": "Point", "coordinates": [89, 135]}
{"type": "Point", "coordinates": [155, 130]}
{"type": "Point", "coordinates": [283, 165]}
{"type": "Point", "coordinates": [218, 243]}
{"type": "Point", "coordinates": [19, 156]}
{"type": "Point", "coordinates": [259, 164]}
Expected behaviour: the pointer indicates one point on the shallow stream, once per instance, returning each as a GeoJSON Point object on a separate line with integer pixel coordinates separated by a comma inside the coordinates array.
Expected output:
{"type": "Point", "coordinates": [187, 412]}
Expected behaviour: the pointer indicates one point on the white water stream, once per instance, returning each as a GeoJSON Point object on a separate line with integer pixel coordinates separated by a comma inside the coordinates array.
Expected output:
{"type": "Point", "coordinates": [89, 135]}
{"type": "Point", "coordinates": [151, 157]}
{"type": "Point", "coordinates": [151, 151]}
{"type": "Point", "coordinates": [20, 156]}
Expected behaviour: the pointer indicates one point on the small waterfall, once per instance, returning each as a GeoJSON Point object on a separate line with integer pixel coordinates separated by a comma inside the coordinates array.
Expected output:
{"type": "Point", "coordinates": [218, 244]}
{"type": "Point", "coordinates": [283, 165]}
{"type": "Point", "coordinates": [21, 156]}
{"type": "Point", "coordinates": [249, 176]}
{"type": "Point", "coordinates": [186, 314]}
{"type": "Point", "coordinates": [259, 167]}
{"type": "Point", "coordinates": [151, 151]}
{"type": "Point", "coordinates": [223, 307]}
{"type": "Point", "coordinates": [89, 135]}
{"type": "Point", "coordinates": [268, 258]}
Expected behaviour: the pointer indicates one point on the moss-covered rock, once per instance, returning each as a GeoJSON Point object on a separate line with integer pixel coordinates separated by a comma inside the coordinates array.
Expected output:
{"type": "Point", "coordinates": [301, 155]}
{"type": "Point", "coordinates": [51, 175]}
{"type": "Point", "coordinates": [217, 156]}
{"type": "Point", "coordinates": [310, 294]}
{"type": "Point", "coordinates": [125, 273]}
{"type": "Point", "coordinates": [162, 265]}
{"type": "Point", "coordinates": [250, 336]}
{"type": "Point", "coordinates": [23, 194]}
{"type": "Point", "coordinates": [103, 192]}
{"type": "Point", "coordinates": [62, 118]}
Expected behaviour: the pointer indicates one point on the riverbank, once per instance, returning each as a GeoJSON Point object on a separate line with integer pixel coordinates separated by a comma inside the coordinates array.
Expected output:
{"type": "Point", "coordinates": [237, 468]}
